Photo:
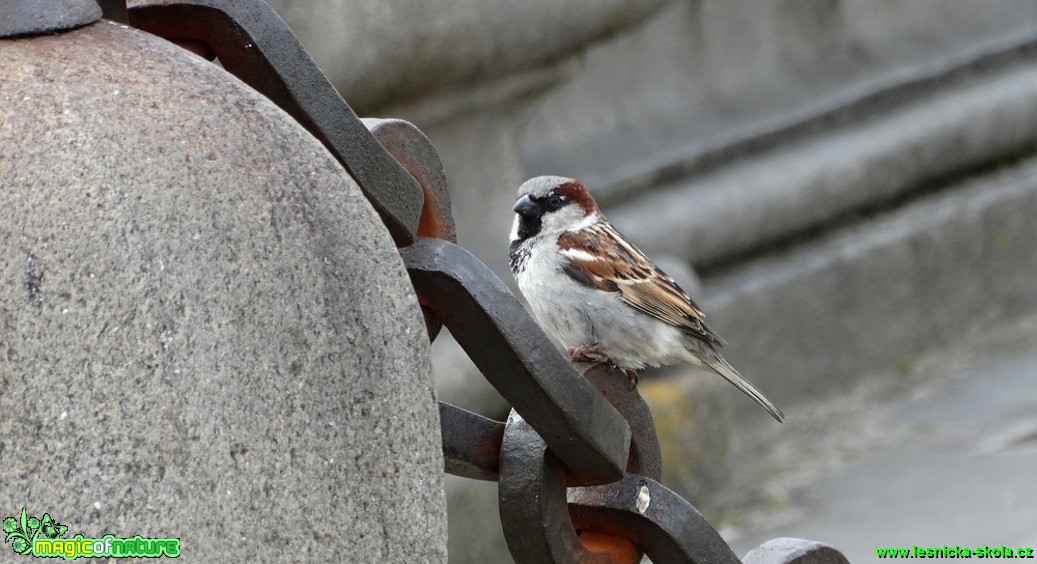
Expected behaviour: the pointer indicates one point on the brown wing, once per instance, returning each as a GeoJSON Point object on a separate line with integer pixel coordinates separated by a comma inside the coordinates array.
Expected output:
{"type": "Point", "coordinates": [600, 257]}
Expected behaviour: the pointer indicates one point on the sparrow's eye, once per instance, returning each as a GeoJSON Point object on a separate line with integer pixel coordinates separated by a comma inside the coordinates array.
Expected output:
{"type": "Point", "coordinates": [554, 202]}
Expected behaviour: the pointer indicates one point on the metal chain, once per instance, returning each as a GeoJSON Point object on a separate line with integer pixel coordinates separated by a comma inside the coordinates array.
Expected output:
{"type": "Point", "coordinates": [578, 459]}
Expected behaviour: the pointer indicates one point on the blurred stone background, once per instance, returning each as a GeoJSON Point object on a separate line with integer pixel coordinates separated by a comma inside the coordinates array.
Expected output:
{"type": "Point", "coordinates": [847, 186]}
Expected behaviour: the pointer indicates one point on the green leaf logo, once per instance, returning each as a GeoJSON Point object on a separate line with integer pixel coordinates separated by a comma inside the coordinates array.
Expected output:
{"type": "Point", "coordinates": [22, 530]}
{"type": "Point", "coordinates": [51, 528]}
{"type": "Point", "coordinates": [18, 532]}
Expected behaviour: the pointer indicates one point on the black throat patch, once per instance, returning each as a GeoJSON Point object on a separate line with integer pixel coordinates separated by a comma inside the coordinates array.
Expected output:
{"type": "Point", "coordinates": [529, 226]}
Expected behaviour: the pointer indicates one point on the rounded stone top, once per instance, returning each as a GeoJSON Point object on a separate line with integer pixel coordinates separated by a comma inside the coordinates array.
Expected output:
{"type": "Point", "coordinates": [205, 330]}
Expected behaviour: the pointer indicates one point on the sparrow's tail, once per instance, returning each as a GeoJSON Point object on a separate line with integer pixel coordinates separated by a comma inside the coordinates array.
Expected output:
{"type": "Point", "coordinates": [721, 367]}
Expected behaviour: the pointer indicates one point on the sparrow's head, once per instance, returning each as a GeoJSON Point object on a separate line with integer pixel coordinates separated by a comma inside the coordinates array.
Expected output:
{"type": "Point", "coordinates": [551, 204]}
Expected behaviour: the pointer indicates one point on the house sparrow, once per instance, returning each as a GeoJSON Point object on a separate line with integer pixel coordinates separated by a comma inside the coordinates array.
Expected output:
{"type": "Point", "coordinates": [599, 295]}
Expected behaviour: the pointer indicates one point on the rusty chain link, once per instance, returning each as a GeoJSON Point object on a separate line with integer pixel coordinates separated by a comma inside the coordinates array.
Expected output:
{"type": "Point", "coordinates": [577, 461]}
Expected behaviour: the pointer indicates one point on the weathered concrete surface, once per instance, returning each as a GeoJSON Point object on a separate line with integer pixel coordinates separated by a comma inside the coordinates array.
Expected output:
{"type": "Point", "coordinates": [939, 453]}
{"type": "Point", "coordinates": [205, 331]}
{"type": "Point", "coordinates": [806, 322]}
{"type": "Point", "coordinates": [380, 52]}
{"type": "Point", "coordinates": [476, 534]}
{"type": "Point", "coordinates": [698, 76]}
{"type": "Point", "coordinates": [803, 185]}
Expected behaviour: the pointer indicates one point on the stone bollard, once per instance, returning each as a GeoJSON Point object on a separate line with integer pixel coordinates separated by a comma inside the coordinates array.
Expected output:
{"type": "Point", "coordinates": [205, 331]}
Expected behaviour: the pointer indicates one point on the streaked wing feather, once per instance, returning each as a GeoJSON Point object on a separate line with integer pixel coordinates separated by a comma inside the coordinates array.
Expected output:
{"type": "Point", "coordinates": [625, 269]}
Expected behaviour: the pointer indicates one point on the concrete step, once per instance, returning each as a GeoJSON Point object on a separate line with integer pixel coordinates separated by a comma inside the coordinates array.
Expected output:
{"type": "Point", "coordinates": [939, 455]}
{"type": "Point", "coordinates": [810, 183]}
{"type": "Point", "coordinates": [808, 321]}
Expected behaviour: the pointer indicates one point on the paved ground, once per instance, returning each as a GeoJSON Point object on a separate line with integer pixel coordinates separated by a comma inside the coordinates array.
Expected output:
{"type": "Point", "coordinates": [945, 456]}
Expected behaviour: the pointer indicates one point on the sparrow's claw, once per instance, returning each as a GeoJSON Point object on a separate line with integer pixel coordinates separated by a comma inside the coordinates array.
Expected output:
{"type": "Point", "coordinates": [587, 353]}
{"type": "Point", "coordinates": [632, 374]}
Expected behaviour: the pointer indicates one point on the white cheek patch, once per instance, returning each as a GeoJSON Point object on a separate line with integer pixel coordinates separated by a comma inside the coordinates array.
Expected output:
{"type": "Point", "coordinates": [569, 218]}
{"type": "Point", "coordinates": [586, 222]}
{"type": "Point", "coordinates": [514, 229]}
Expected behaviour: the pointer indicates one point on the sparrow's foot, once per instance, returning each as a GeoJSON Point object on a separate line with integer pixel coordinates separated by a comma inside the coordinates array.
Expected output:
{"type": "Point", "coordinates": [632, 374]}
{"type": "Point", "coordinates": [587, 353]}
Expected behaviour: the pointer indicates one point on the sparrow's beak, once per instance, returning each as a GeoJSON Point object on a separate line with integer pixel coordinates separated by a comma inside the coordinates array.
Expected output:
{"type": "Point", "coordinates": [526, 207]}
